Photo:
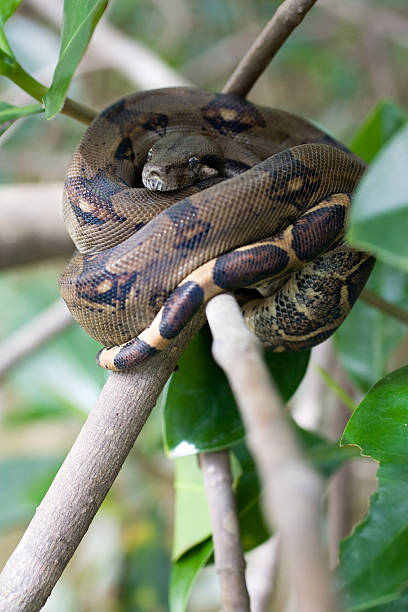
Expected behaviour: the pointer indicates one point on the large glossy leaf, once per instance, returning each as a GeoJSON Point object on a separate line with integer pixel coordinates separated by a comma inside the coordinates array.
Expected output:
{"type": "Point", "coordinates": [23, 483]}
{"type": "Point", "coordinates": [79, 21]}
{"type": "Point", "coordinates": [373, 560]}
{"type": "Point", "coordinates": [399, 605]}
{"type": "Point", "coordinates": [379, 216]}
{"type": "Point", "coordinates": [192, 530]}
{"type": "Point", "coordinates": [367, 338]}
{"type": "Point", "coordinates": [382, 123]}
{"type": "Point", "coordinates": [200, 413]}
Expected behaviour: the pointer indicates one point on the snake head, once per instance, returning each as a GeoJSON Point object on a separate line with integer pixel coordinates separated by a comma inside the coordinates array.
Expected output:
{"type": "Point", "coordinates": [178, 160]}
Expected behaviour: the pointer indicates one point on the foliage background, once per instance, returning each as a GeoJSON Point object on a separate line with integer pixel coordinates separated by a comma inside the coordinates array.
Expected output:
{"type": "Point", "coordinates": [334, 69]}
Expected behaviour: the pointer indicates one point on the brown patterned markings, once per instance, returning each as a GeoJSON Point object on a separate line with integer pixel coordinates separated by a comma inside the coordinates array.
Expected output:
{"type": "Point", "coordinates": [245, 267]}
{"type": "Point", "coordinates": [229, 114]}
{"type": "Point", "coordinates": [292, 181]}
{"type": "Point", "coordinates": [153, 122]}
{"type": "Point", "coordinates": [191, 229]}
{"type": "Point", "coordinates": [90, 199]}
{"type": "Point", "coordinates": [317, 230]}
{"type": "Point", "coordinates": [100, 286]}
{"type": "Point", "coordinates": [126, 119]}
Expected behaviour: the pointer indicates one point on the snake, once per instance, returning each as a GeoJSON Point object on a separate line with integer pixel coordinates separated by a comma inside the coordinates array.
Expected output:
{"type": "Point", "coordinates": [176, 195]}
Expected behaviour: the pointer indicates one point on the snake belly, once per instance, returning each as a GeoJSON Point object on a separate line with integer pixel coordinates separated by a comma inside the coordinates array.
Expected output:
{"type": "Point", "coordinates": [274, 219]}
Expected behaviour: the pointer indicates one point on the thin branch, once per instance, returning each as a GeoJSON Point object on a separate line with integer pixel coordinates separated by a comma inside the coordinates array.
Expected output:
{"type": "Point", "coordinates": [229, 558]}
{"type": "Point", "coordinates": [289, 14]}
{"type": "Point", "coordinates": [369, 297]}
{"type": "Point", "coordinates": [84, 479]}
{"type": "Point", "coordinates": [34, 334]}
{"type": "Point", "coordinates": [292, 489]}
{"type": "Point", "coordinates": [77, 111]}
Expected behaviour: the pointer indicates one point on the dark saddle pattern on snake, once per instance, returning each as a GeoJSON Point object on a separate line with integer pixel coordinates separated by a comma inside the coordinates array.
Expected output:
{"type": "Point", "coordinates": [264, 215]}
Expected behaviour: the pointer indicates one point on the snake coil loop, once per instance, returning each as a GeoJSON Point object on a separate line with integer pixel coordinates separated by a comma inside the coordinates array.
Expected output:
{"type": "Point", "coordinates": [242, 197]}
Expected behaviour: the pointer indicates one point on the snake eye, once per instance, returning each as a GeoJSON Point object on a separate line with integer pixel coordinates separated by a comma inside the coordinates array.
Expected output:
{"type": "Point", "coordinates": [193, 162]}
{"type": "Point", "coordinates": [149, 155]}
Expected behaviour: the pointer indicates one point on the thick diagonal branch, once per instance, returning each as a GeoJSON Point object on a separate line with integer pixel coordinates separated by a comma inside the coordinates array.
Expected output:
{"type": "Point", "coordinates": [84, 479]}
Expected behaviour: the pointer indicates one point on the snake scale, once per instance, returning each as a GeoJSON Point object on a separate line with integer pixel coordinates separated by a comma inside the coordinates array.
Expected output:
{"type": "Point", "coordinates": [175, 195]}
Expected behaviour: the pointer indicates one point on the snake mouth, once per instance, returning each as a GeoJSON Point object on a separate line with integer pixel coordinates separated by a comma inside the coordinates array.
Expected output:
{"type": "Point", "coordinates": [158, 181]}
{"type": "Point", "coordinates": [155, 184]}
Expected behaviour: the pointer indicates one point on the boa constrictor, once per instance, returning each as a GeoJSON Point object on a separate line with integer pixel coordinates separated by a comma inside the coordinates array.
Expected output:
{"type": "Point", "coordinates": [175, 195]}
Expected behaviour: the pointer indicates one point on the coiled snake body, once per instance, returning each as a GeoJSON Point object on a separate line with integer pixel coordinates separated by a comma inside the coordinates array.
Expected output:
{"type": "Point", "coordinates": [238, 196]}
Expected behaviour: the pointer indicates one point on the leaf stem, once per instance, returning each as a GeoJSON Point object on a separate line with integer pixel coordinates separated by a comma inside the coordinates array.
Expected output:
{"type": "Point", "coordinates": [28, 83]}
{"type": "Point", "coordinates": [37, 90]}
{"type": "Point", "coordinates": [371, 298]}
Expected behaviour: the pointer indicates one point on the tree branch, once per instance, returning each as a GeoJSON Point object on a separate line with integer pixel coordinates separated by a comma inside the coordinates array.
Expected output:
{"type": "Point", "coordinates": [292, 489]}
{"type": "Point", "coordinates": [229, 558]}
{"type": "Point", "coordinates": [84, 479]}
{"type": "Point", "coordinates": [373, 299]}
{"type": "Point", "coordinates": [289, 14]}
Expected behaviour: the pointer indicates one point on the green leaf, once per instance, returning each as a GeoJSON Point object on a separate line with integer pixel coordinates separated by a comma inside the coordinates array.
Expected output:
{"type": "Point", "coordinates": [381, 124]}
{"type": "Point", "coordinates": [184, 573]}
{"type": "Point", "coordinates": [79, 21]}
{"type": "Point", "coordinates": [7, 8]}
{"type": "Point", "coordinates": [367, 338]}
{"type": "Point", "coordinates": [399, 605]}
{"type": "Point", "coordinates": [379, 216]}
{"type": "Point", "coordinates": [24, 481]}
{"type": "Point", "coordinates": [192, 529]}
{"type": "Point", "coordinates": [9, 113]}
{"type": "Point", "coordinates": [200, 413]}
{"type": "Point", "coordinates": [288, 370]}
{"type": "Point", "coordinates": [192, 523]}
{"type": "Point", "coordinates": [373, 561]}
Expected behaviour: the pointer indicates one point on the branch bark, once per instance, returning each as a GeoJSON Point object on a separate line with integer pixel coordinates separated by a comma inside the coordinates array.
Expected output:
{"type": "Point", "coordinates": [84, 479]}
{"type": "Point", "coordinates": [289, 14]}
{"type": "Point", "coordinates": [292, 489]}
{"type": "Point", "coordinates": [229, 558]}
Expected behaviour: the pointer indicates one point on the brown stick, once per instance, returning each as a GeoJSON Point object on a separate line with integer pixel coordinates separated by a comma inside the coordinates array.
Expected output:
{"type": "Point", "coordinates": [292, 489]}
{"type": "Point", "coordinates": [229, 558]}
{"type": "Point", "coordinates": [84, 479]}
{"type": "Point", "coordinates": [289, 14]}
{"type": "Point", "coordinates": [371, 298]}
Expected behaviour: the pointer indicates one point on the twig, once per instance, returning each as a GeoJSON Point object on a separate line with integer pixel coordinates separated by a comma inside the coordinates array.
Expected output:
{"type": "Point", "coordinates": [292, 489]}
{"type": "Point", "coordinates": [84, 479]}
{"type": "Point", "coordinates": [289, 14]}
{"type": "Point", "coordinates": [31, 336]}
{"type": "Point", "coordinates": [229, 558]}
{"type": "Point", "coordinates": [369, 297]}
{"type": "Point", "coordinates": [77, 111]}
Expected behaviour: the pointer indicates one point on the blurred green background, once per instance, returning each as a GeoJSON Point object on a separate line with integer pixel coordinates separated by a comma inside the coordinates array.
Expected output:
{"type": "Point", "coordinates": [335, 67]}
